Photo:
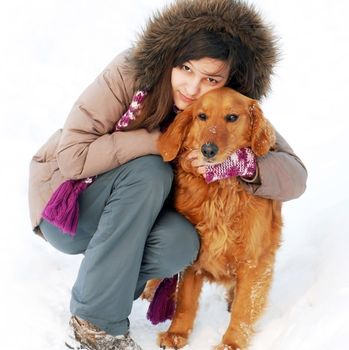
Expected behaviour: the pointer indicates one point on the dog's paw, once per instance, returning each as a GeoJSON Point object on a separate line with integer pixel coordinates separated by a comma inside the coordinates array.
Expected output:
{"type": "Point", "coordinates": [150, 289]}
{"type": "Point", "coordinates": [227, 347]}
{"type": "Point", "coordinates": [168, 340]}
{"type": "Point", "coordinates": [147, 295]}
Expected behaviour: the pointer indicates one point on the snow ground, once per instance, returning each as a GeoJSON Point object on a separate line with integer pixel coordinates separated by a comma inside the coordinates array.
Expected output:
{"type": "Point", "coordinates": [51, 50]}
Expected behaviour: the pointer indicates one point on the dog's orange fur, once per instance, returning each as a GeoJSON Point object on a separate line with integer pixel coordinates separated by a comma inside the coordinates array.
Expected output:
{"type": "Point", "coordinates": [150, 289]}
{"type": "Point", "coordinates": [239, 232]}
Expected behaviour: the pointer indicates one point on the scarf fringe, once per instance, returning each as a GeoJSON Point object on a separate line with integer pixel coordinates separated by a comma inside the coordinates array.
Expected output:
{"type": "Point", "coordinates": [163, 305]}
{"type": "Point", "coordinates": [62, 210]}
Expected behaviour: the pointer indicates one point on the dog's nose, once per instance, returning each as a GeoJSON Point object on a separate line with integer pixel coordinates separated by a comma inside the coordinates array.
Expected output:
{"type": "Point", "coordinates": [209, 150]}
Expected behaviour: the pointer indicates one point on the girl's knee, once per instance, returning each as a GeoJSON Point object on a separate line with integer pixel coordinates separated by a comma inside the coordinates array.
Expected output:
{"type": "Point", "coordinates": [62, 242]}
{"type": "Point", "coordinates": [183, 246]}
{"type": "Point", "coordinates": [175, 245]}
{"type": "Point", "coordinates": [151, 174]}
{"type": "Point", "coordinates": [182, 253]}
{"type": "Point", "coordinates": [153, 171]}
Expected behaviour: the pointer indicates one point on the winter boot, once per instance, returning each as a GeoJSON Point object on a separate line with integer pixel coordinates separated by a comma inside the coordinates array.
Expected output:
{"type": "Point", "coordinates": [85, 335]}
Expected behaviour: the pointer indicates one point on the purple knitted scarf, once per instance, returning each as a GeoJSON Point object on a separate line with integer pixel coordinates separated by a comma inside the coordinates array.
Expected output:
{"type": "Point", "coordinates": [62, 210]}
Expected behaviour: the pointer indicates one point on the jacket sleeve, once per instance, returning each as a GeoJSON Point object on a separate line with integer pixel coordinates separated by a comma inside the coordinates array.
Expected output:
{"type": "Point", "coordinates": [282, 175]}
{"type": "Point", "coordinates": [88, 145]}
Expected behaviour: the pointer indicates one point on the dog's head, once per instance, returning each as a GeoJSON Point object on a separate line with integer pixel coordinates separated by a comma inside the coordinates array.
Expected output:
{"type": "Point", "coordinates": [218, 123]}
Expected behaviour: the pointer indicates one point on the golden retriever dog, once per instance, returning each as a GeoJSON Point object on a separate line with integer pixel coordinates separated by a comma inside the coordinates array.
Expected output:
{"type": "Point", "coordinates": [239, 232]}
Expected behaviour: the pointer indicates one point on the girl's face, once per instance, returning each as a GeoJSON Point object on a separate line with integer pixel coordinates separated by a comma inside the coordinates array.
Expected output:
{"type": "Point", "coordinates": [194, 78]}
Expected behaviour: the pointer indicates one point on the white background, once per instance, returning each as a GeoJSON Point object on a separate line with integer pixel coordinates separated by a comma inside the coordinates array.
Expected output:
{"type": "Point", "coordinates": [51, 50]}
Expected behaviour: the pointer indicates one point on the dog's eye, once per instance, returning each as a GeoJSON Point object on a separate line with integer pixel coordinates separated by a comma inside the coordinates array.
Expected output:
{"type": "Point", "coordinates": [202, 116]}
{"type": "Point", "coordinates": [231, 118]}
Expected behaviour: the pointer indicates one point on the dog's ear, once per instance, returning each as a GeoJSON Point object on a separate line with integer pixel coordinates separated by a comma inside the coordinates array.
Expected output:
{"type": "Point", "coordinates": [171, 140]}
{"type": "Point", "coordinates": [263, 134]}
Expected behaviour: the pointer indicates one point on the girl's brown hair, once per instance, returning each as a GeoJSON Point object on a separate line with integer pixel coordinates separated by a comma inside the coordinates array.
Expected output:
{"type": "Point", "coordinates": [218, 45]}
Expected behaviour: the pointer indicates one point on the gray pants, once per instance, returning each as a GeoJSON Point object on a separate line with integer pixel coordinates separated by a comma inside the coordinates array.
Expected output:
{"type": "Point", "coordinates": [127, 237]}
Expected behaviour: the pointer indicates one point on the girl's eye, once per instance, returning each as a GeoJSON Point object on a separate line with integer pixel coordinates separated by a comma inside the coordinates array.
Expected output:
{"type": "Point", "coordinates": [212, 81]}
{"type": "Point", "coordinates": [185, 68]}
{"type": "Point", "coordinates": [231, 118]}
{"type": "Point", "coordinates": [202, 116]}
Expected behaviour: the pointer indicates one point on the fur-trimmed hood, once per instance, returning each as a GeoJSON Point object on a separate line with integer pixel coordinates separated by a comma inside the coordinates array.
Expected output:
{"type": "Point", "coordinates": [166, 30]}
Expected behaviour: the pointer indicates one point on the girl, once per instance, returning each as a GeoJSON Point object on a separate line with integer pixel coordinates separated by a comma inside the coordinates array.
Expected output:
{"type": "Point", "coordinates": [107, 153]}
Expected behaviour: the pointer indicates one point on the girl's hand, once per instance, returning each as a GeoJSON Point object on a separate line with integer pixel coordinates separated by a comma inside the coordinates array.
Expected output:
{"type": "Point", "coordinates": [196, 163]}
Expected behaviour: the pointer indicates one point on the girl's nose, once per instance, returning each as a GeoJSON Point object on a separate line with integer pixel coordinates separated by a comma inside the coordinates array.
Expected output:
{"type": "Point", "coordinates": [193, 88]}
